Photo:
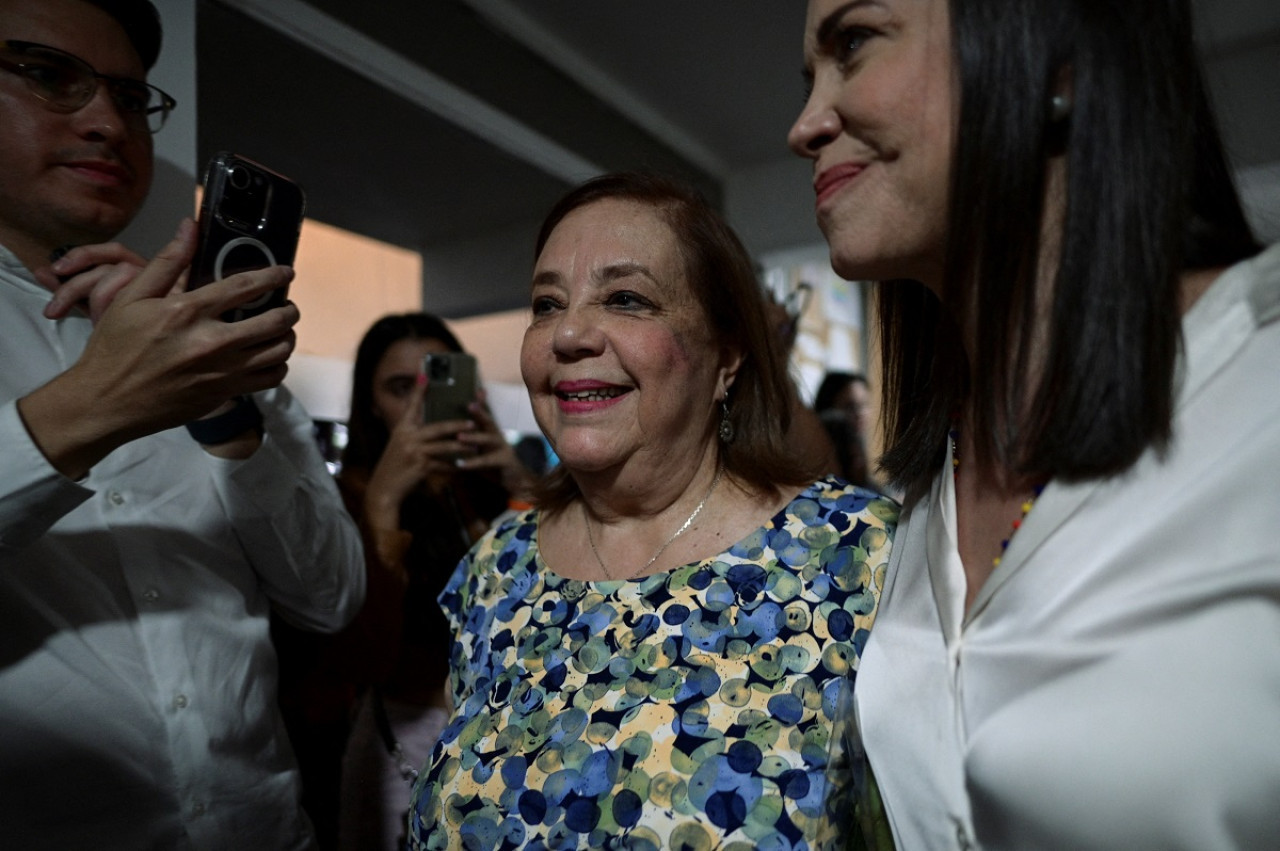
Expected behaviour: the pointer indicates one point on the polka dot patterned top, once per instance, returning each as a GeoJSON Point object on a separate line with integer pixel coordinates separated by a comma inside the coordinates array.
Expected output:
{"type": "Point", "coordinates": [690, 709]}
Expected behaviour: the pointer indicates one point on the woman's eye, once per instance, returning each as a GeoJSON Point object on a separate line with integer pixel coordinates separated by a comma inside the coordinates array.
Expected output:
{"type": "Point", "coordinates": [849, 42]}
{"type": "Point", "coordinates": [399, 387]}
{"type": "Point", "coordinates": [627, 299]}
{"type": "Point", "coordinates": [543, 305]}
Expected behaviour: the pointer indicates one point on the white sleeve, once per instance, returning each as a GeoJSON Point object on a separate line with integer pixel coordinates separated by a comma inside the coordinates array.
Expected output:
{"type": "Point", "coordinates": [33, 495]}
{"type": "Point", "coordinates": [291, 522]}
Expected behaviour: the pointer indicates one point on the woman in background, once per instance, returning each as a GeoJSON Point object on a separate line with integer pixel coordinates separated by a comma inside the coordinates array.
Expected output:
{"type": "Point", "coordinates": [849, 394]}
{"type": "Point", "coordinates": [1077, 643]}
{"type": "Point", "coordinates": [421, 493]}
{"type": "Point", "coordinates": [843, 404]}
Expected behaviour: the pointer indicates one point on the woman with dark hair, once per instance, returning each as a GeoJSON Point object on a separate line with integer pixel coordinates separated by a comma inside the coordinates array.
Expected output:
{"type": "Point", "coordinates": [843, 405]}
{"type": "Point", "coordinates": [651, 657]}
{"type": "Point", "coordinates": [421, 493]}
{"type": "Point", "coordinates": [1080, 350]}
{"type": "Point", "coordinates": [848, 393]}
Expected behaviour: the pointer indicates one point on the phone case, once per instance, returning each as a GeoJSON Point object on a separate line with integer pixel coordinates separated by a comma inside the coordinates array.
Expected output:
{"type": "Point", "coordinates": [250, 218]}
{"type": "Point", "coordinates": [451, 386]}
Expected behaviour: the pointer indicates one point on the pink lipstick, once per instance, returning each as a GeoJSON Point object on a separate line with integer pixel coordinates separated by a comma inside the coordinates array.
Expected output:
{"type": "Point", "coordinates": [587, 395]}
{"type": "Point", "coordinates": [834, 179]}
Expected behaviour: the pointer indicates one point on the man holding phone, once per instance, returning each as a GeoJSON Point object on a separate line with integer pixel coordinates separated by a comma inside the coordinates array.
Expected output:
{"type": "Point", "coordinates": [152, 510]}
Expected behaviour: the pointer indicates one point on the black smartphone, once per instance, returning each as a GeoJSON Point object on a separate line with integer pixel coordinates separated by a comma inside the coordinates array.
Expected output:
{"type": "Point", "coordinates": [451, 386]}
{"type": "Point", "coordinates": [250, 218]}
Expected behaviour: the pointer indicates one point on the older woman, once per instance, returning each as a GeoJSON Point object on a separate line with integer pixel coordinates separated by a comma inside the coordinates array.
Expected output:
{"type": "Point", "coordinates": [652, 656]}
{"type": "Point", "coordinates": [1076, 647]}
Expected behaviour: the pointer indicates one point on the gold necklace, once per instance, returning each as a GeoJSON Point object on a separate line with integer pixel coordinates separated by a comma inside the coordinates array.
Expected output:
{"type": "Point", "coordinates": [662, 549]}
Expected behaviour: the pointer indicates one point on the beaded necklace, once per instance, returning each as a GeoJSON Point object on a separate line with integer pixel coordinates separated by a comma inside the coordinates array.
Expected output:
{"type": "Point", "coordinates": [1036, 490]}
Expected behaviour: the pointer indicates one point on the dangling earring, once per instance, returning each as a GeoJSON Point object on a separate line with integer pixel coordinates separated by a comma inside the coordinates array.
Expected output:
{"type": "Point", "coordinates": [726, 426]}
{"type": "Point", "coordinates": [1059, 108]}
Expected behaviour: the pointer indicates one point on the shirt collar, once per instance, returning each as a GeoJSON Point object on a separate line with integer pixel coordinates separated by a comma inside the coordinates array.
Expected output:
{"type": "Point", "coordinates": [13, 272]}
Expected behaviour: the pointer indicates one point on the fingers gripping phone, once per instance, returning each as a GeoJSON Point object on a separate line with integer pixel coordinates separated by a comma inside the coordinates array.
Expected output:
{"type": "Point", "coordinates": [250, 218]}
{"type": "Point", "coordinates": [451, 386]}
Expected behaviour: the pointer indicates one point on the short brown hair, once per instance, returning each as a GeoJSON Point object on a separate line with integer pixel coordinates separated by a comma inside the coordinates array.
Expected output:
{"type": "Point", "coordinates": [724, 283]}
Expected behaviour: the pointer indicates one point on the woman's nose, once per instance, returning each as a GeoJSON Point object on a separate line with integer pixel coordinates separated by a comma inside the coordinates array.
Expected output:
{"type": "Point", "coordinates": [577, 333]}
{"type": "Point", "coordinates": [814, 128]}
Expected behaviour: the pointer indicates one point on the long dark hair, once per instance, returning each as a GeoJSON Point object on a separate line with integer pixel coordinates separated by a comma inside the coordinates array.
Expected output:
{"type": "Point", "coordinates": [1148, 196]}
{"type": "Point", "coordinates": [366, 434]}
{"type": "Point", "coordinates": [722, 277]}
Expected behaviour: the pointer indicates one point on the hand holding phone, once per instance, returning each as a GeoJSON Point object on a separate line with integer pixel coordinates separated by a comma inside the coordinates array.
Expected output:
{"type": "Point", "coordinates": [87, 278]}
{"type": "Point", "coordinates": [250, 218]}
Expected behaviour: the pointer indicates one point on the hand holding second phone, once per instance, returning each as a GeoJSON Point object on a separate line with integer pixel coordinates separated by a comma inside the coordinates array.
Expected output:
{"type": "Point", "coordinates": [160, 357]}
{"type": "Point", "coordinates": [416, 452]}
{"type": "Point", "coordinates": [490, 450]}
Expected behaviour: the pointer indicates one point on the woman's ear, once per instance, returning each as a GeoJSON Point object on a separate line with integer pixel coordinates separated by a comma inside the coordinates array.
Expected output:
{"type": "Point", "coordinates": [731, 358]}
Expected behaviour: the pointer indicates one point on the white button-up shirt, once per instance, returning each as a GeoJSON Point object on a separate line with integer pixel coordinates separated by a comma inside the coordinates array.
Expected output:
{"type": "Point", "coordinates": [137, 678]}
{"type": "Point", "coordinates": [1116, 684]}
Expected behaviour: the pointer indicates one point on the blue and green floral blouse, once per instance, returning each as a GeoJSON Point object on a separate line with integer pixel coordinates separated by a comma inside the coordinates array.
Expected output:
{"type": "Point", "coordinates": [689, 709]}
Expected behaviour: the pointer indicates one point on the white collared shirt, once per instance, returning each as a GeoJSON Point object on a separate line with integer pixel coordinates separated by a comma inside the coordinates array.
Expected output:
{"type": "Point", "coordinates": [137, 678]}
{"type": "Point", "coordinates": [1116, 684]}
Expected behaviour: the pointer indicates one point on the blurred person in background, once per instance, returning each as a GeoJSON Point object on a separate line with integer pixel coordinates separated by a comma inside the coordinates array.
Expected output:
{"type": "Point", "coordinates": [849, 394]}
{"type": "Point", "coordinates": [843, 404]}
{"type": "Point", "coordinates": [420, 493]}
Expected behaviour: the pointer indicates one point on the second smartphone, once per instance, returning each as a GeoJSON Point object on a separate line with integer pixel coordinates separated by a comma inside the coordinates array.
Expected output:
{"type": "Point", "coordinates": [451, 386]}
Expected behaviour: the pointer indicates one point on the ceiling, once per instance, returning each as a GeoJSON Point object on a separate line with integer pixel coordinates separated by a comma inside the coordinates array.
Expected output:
{"type": "Point", "coordinates": [431, 123]}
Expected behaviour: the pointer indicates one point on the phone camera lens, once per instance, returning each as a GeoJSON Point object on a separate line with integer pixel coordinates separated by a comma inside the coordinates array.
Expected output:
{"type": "Point", "coordinates": [239, 177]}
{"type": "Point", "coordinates": [439, 368]}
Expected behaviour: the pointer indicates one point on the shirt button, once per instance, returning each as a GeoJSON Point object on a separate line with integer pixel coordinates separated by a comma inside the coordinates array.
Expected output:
{"type": "Point", "coordinates": [197, 809]}
{"type": "Point", "coordinates": [180, 701]}
{"type": "Point", "coordinates": [116, 498]}
{"type": "Point", "coordinates": [151, 595]}
{"type": "Point", "coordinates": [962, 838]}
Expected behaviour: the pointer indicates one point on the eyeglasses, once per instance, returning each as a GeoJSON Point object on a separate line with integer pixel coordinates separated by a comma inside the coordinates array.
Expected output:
{"type": "Point", "coordinates": [67, 83]}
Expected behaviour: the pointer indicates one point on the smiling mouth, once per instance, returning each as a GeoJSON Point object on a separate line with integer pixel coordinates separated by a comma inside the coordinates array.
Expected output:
{"type": "Point", "coordinates": [595, 395]}
{"type": "Point", "coordinates": [834, 179]}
